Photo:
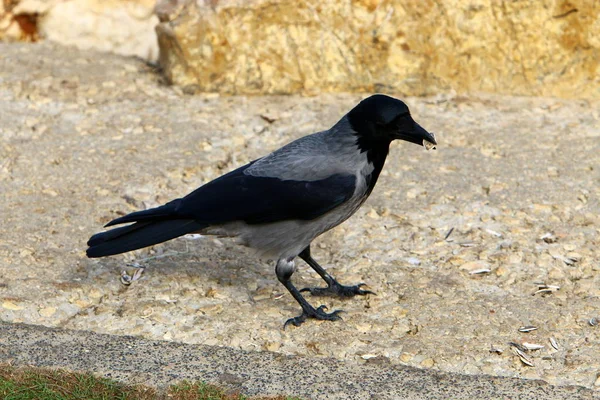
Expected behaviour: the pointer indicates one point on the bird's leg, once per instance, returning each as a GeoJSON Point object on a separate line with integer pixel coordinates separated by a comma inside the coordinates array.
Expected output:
{"type": "Point", "coordinates": [284, 270]}
{"type": "Point", "coordinates": [333, 287]}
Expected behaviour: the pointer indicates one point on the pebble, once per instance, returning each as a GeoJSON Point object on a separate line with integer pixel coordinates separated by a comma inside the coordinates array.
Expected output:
{"type": "Point", "coordinates": [272, 346]}
{"type": "Point", "coordinates": [427, 363]}
{"type": "Point", "coordinates": [413, 261]}
{"type": "Point", "coordinates": [9, 305]}
{"type": "Point", "coordinates": [475, 266]}
{"type": "Point", "coordinates": [47, 311]}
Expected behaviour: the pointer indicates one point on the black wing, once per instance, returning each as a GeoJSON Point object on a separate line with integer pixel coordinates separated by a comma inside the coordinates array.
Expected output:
{"type": "Point", "coordinates": [255, 200]}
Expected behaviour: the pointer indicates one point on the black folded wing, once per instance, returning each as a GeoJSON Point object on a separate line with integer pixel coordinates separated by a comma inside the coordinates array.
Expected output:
{"type": "Point", "coordinates": [255, 200]}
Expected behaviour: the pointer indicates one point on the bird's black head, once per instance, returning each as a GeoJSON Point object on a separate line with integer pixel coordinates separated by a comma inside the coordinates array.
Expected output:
{"type": "Point", "coordinates": [381, 119]}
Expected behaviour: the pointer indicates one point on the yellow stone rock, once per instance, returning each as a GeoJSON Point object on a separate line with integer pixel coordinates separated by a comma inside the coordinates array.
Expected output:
{"type": "Point", "coordinates": [364, 327]}
{"type": "Point", "coordinates": [82, 303]}
{"type": "Point", "coordinates": [272, 346]}
{"type": "Point", "coordinates": [373, 214]}
{"type": "Point", "coordinates": [9, 305]}
{"type": "Point", "coordinates": [427, 363]}
{"type": "Point", "coordinates": [500, 271]}
{"type": "Point", "coordinates": [122, 27]}
{"type": "Point", "coordinates": [474, 265]}
{"type": "Point", "coordinates": [401, 313]}
{"type": "Point", "coordinates": [47, 311]}
{"type": "Point", "coordinates": [95, 293]}
{"type": "Point", "coordinates": [546, 48]}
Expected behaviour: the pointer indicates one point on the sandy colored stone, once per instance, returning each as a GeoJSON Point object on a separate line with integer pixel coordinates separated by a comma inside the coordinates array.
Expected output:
{"type": "Point", "coordinates": [426, 310]}
{"type": "Point", "coordinates": [548, 48]}
{"type": "Point", "coordinates": [47, 311]}
{"type": "Point", "coordinates": [120, 26]}
{"type": "Point", "coordinates": [474, 265]}
{"type": "Point", "coordinates": [9, 305]}
{"type": "Point", "coordinates": [427, 363]}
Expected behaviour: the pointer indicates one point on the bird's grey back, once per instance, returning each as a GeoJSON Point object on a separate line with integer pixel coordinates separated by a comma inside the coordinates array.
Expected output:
{"type": "Point", "coordinates": [313, 157]}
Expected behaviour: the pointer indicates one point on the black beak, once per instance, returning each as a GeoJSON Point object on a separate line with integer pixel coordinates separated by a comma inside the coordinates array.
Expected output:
{"type": "Point", "coordinates": [422, 134]}
{"type": "Point", "coordinates": [417, 135]}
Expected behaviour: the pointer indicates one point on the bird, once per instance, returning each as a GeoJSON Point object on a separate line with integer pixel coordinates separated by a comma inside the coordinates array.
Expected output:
{"type": "Point", "coordinates": [278, 204]}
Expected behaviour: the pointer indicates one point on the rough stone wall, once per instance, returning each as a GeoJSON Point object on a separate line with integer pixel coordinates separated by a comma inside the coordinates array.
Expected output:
{"type": "Point", "coordinates": [524, 47]}
{"type": "Point", "coordinates": [120, 26]}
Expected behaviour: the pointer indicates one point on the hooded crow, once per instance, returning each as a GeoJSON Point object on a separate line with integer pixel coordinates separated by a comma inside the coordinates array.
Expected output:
{"type": "Point", "coordinates": [280, 203]}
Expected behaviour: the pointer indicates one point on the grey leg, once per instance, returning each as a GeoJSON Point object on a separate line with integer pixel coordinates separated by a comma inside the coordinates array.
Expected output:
{"type": "Point", "coordinates": [284, 270]}
{"type": "Point", "coordinates": [333, 287]}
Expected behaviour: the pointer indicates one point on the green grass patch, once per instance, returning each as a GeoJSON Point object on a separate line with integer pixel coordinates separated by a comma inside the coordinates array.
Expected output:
{"type": "Point", "coordinates": [26, 383]}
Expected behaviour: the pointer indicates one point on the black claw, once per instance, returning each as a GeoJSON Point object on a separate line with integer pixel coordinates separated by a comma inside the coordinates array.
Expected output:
{"type": "Point", "coordinates": [296, 321]}
{"type": "Point", "coordinates": [339, 290]}
{"type": "Point", "coordinates": [317, 313]}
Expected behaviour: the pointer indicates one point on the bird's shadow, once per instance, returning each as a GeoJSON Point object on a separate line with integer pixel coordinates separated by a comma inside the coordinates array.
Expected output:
{"type": "Point", "coordinates": [221, 261]}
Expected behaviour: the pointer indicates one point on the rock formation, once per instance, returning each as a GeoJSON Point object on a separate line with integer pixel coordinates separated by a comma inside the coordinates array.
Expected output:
{"type": "Point", "coordinates": [546, 47]}
{"type": "Point", "coordinates": [418, 47]}
{"type": "Point", "coordinates": [120, 26]}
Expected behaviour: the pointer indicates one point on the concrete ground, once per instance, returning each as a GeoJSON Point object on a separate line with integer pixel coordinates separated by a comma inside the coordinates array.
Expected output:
{"type": "Point", "coordinates": [160, 363]}
{"type": "Point", "coordinates": [456, 243]}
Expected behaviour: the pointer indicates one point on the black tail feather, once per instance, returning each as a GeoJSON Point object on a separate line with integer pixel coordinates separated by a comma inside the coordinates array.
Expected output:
{"type": "Point", "coordinates": [166, 211]}
{"type": "Point", "coordinates": [139, 235]}
{"type": "Point", "coordinates": [102, 237]}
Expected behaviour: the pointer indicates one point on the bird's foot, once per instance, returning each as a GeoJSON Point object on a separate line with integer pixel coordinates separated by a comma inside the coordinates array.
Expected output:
{"type": "Point", "coordinates": [318, 313]}
{"type": "Point", "coordinates": [335, 289]}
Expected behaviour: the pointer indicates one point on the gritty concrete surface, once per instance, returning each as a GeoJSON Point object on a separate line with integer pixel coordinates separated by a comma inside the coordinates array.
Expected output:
{"type": "Point", "coordinates": [160, 363]}
{"type": "Point", "coordinates": [86, 137]}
